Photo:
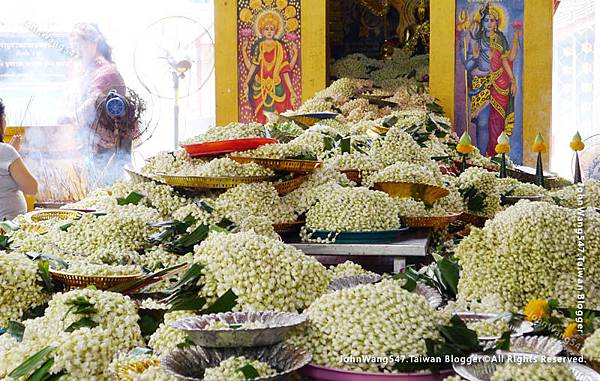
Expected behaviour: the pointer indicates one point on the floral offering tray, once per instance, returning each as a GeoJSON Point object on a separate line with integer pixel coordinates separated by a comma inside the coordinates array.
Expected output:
{"type": "Point", "coordinates": [271, 327]}
{"type": "Point", "coordinates": [287, 165]}
{"type": "Point", "coordinates": [368, 237]}
{"type": "Point", "coordinates": [190, 363]}
{"type": "Point", "coordinates": [101, 282]}
{"type": "Point", "coordinates": [53, 214]}
{"type": "Point", "coordinates": [225, 146]}
{"type": "Point", "coordinates": [431, 222]}
{"type": "Point", "coordinates": [288, 186]}
{"type": "Point", "coordinates": [480, 370]}
{"type": "Point", "coordinates": [322, 373]}
{"type": "Point", "coordinates": [198, 182]}
{"type": "Point", "coordinates": [426, 192]}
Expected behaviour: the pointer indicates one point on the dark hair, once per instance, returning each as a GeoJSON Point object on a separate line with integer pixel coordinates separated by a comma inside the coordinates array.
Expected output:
{"type": "Point", "coordinates": [104, 49]}
{"type": "Point", "coordinates": [90, 32]}
{"type": "Point", "coordinates": [1, 119]}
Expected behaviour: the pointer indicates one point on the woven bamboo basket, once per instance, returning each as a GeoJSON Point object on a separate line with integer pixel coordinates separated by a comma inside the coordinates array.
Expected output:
{"type": "Point", "coordinates": [473, 219]}
{"type": "Point", "coordinates": [45, 215]}
{"type": "Point", "coordinates": [197, 182]}
{"type": "Point", "coordinates": [352, 175]}
{"type": "Point", "coordinates": [101, 282]}
{"type": "Point", "coordinates": [288, 227]}
{"type": "Point", "coordinates": [431, 222]}
{"type": "Point", "coordinates": [289, 186]}
{"type": "Point", "coordinates": [286, 165]}
{"type": "Point", "coordinates": [426, 192]}
{"type": "Point", "coordinates": [34, 228]}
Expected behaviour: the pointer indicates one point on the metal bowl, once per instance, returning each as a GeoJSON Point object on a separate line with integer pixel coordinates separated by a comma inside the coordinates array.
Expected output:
{"type": "Point", "coordinates": [431, 294]}
{"type": "Point", "coordinates": [467, 317]}
{"type": "Point", "coordinates": [341, 283]}
{"type": "Point", "coordinates": [190, 363]}
{"type": "Point", "coordinates": [543, 345]}
{"type": "Point", "coordinates": [277, 326]}
{"type": "Point", "coordinates": [481, 370]}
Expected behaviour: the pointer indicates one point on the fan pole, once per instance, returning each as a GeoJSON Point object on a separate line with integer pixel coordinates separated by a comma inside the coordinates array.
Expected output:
{"type": "Point", "coordinates": [176, 109]}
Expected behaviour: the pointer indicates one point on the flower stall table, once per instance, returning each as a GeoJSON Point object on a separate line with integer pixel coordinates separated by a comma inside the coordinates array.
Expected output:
{"type": "Point", "coordinates": [379, 257]}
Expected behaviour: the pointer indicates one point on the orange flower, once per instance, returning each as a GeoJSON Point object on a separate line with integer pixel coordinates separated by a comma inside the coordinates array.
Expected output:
{"type": "Point", "coordinates": [538, 145]}
{"type": "Point", "coordinates": [502, 148]}
{"type": "Point", "coordinates": [570, 331]}
{"type": "Point", "coordinates": [536, 309]}
{"type": "Point", "coordinates": [464, 148]}
{"type": "Point", "coordinates": [577, 144]}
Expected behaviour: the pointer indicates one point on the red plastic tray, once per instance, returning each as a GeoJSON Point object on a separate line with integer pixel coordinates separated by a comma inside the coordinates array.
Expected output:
{"type": "Point", "coordinates": [226, 146]}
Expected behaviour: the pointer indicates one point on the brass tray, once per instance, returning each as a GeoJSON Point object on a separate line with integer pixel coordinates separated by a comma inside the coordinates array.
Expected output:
{"type": "Point", "coordinates": [425, 192]}
{"type": "Point", "coordinates": [140, 177]}
{"type": "Point", "coordinates": [34, 228]}
{"type": "Point", "coordinates": [289, 186]}
{"type": "Point", "coordinates": [53, 214]}
{"type": "Point", "coordinates": [288, 227]}
{"type": "Point", "coordinates": [101, 282]}
{"type": "Point", "coordinates": [197, 182]}
{"type": "Point", "coordinates": [431, 222]}
{"type": "Point", "coordinates": [287, 165]}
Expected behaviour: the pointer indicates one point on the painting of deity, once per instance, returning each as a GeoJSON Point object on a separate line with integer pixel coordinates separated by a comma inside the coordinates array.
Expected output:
{"type": "Point", "coordinates": [488, 92]}
{"type": "Point", "coordinates": [269, 60]}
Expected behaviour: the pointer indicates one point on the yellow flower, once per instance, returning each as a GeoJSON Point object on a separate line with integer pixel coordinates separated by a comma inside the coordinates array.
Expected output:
{"type": "Point", "coordinates": [570, 331]}
{"type": "Point", "coordinates": [464, 148]}
{"type": "Point", "coordinates": [536, 309]}
{"type": "Point", "coordinates": [291, 25]}
{"type": "Point", "coordinates": [538, 145]}
{"type": "Point", "coordinates": [577, 144]}
{"type": "Point", "coordinates": [502, 148]}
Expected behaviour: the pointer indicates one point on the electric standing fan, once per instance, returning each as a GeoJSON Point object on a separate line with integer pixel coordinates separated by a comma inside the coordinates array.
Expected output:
{"type": "Point", "coordinates": [174, 59]}
{"type": "Point", "coordinates": [589, 158]}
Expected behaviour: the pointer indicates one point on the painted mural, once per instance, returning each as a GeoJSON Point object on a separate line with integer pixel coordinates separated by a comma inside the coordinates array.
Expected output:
{"type": "Point", "coordinates": [489, 72]}
{"type": "Point", "coordinates": [269, 59]}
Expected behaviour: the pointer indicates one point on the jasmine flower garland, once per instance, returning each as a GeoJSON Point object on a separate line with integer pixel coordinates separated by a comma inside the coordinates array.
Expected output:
{"type": "Point", "coordinates": [20, 287]}
{"type": "Point", "coordinates": [529, 251]}
{"type": "Point", "coordinates": [532, 371]}
{"type": "Point", "coordinates": [264, 273]}
{"type": "Point", "coordinates": [229, 369]}
{"type": "Point", "coordinates": [166, 338]}
{"type": "Point", "coordinates": [347, 268]}
{"type": "Point", "coordinates": [82, 353]}
{"type": "Point", "coordinates": [230, 131]}
{"type": "Point", "coordinates": [379, 319]}
{"type": "Point", "coordinates": [591, 346]}
{"type": "Point", "coordinates": [353, 209]}
{"type": "Point", "coordinates": [478, 188]}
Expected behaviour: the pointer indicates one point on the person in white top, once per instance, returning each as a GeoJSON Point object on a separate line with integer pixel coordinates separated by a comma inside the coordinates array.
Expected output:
{"type": "Point", "coordinates": [15, 177]}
